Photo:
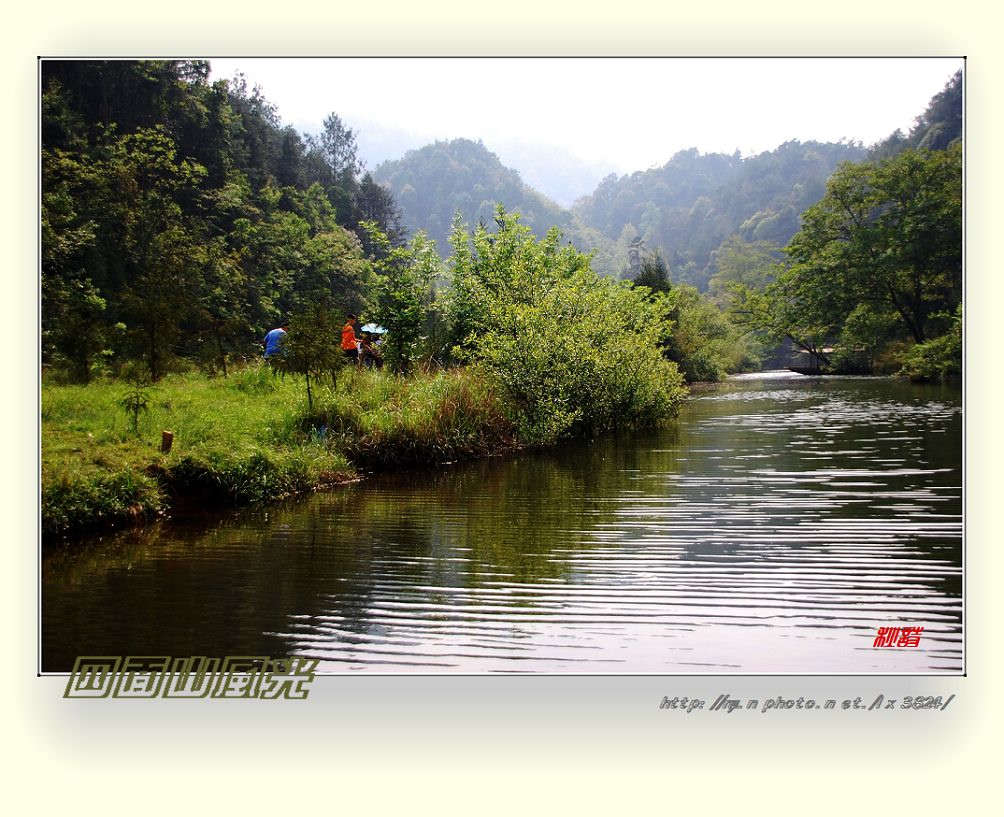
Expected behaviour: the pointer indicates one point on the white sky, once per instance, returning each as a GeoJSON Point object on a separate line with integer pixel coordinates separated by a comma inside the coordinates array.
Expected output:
{"type": "Point", "coordinates": [631, 113]}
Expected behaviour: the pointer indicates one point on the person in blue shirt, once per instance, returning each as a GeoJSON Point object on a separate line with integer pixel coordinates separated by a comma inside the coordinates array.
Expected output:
{"type": "Point", "coordinates": [273, 343]}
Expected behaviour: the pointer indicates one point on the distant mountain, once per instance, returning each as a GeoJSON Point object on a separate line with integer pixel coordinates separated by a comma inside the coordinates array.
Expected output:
{"type": "Point", "coordinates": [687, 207]}
{"type": "Point", "coordinates": [436, 181]}
{"type": "Point", "coordinates": [552, 170]}
{"type": "Point", "coordinates": [684, 209]}
{"type": "Point", "coordinates": [380, 143]}
{"type": "Point", "coordinates": [935, 129]}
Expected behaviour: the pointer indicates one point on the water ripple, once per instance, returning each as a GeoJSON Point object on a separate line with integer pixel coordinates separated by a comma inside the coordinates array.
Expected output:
{"type": "Point", "coordinates": [774, 529]}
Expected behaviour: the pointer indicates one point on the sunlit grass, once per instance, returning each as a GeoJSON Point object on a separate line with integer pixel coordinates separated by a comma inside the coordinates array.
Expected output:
{"type": "Point", "coordinates": [249, 437]}
{"type": "Point", "coordinates": [381, 419]}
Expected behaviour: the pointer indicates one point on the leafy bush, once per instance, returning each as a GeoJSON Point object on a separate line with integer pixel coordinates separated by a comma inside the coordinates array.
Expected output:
{"type": "Point", "coordinates": [703, 342]}
{"type": "Point", "coordinates": [405, 293]}
{"type": "Point", "coordinates": [571, 351]}
{"type": "Point", "coordinates": [866, 333]}
{"type": "Point", "coordinates": [938, 359]}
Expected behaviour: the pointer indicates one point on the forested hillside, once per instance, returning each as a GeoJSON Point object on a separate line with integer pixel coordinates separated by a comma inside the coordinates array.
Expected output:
{"type": "Point", "coordinates": [684, 209]}
{"type": "Point", "coordinates": [872, 281]}
{"type": "Point", "coordinates": [690, 205]}
{"type": "Point", "coordinates": [180, 219]}
{"type": "Point", "coordinates": [935, 129]}
{"type": "Point", "coordinates": [434, 183]}
{"type": "Point", "coordinates": [694, 206]}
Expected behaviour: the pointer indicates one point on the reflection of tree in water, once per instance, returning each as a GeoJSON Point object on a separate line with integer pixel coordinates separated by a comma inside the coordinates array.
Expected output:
{"type": "Point", "coordinates": [200, 588]}
{"type": "Point", "coordinates": [214, 585]}
{"type": "Point", "coordinates": [506, 519]}
{"type": "Point", "coordinates": [355, 563]}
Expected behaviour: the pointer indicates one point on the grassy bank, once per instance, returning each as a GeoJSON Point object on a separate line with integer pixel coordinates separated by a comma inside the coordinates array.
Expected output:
{"type": "Point", "coordinates": [248, 438]}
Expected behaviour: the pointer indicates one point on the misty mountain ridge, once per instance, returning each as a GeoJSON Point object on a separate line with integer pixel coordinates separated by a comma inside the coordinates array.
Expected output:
{"type": "Point", "coordinates": [683, 209]}
{"type": "Point", "coordinates": [550, 169]}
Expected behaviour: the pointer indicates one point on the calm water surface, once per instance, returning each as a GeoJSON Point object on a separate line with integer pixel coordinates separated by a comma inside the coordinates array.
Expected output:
{"type": "Point", "coordinates": [774, 528]}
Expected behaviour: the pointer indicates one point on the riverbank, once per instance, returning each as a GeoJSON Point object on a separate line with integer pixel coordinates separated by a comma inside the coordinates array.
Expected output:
{"type": "Point", "coordinates": [249, 438]}
{"type": "Point", "coordinates": [533, 562]}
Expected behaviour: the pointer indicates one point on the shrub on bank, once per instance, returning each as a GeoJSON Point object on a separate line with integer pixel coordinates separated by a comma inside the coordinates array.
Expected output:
{"type": "Point", "coordinates": [938, 359]}
{"type": "Point", "coordinates": [74, 501]}
{"type": "Point", "coordinates": [571, 351]}
{"type": "Point", "coordinates": [378, 419]}
{"type": "Point", "coordinates": [223, 477]}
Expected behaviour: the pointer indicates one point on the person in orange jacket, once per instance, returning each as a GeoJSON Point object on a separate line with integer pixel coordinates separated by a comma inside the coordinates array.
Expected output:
{"type": "Point", "coordinates": [350, 348]}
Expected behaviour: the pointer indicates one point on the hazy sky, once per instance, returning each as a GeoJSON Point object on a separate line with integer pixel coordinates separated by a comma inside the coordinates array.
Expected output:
{"type": "Point", "coordinates": [631, 113]}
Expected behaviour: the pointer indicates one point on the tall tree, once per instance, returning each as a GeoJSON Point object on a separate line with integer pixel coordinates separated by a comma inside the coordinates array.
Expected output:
{"type": "Point", "coordinates": [654, 273]}
{"type": "Point", "coordinates": [889, 233]}
{"type": "Point", "coordinates": [405, 292]}
{"type": "Point", "coordinates": [340, 148]}
{"type": "Point", "coordinates": [375, 203]}
{"type": "Point", "coordinates": [885, 242]}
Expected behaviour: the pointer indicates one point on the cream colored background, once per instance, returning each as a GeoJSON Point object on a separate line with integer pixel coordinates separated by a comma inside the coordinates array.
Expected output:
{"type": "Point", "coordinates": [486, 745]}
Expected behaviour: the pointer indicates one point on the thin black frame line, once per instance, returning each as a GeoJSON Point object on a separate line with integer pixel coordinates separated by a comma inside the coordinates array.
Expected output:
{"type": "Point", "coordinates": [38, 381]}
{"type": "Point", "coordinates": [965, 368]}
{"type": "Point", "coordinates": [38, 369]}
{"type": "Point", "coordinates": [509, 57]}
{"type": "Point", "coordinates": [528, 674]}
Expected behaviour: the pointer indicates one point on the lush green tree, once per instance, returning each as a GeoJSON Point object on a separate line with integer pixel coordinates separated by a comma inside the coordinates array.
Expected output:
{"type": "Point", "coordinates": [887, 233]}
{"type": "Point", "coordinates": [339, 151]}
{"type": "Point", "coordinates": [374, 203]}
{"type": "Point", "coordinates": [257, 122]}
{"type": "Point", "coordinates": [654, 273]}
{"type": "Point", "coordinates": [939, 358]}
{"type": "Point", "coordinates": [221, 315]}
{"type": "Point", "coordinates": [311, 346]}
{"type": "Point", "coordinates": [405, 294]}
{"type": "Point", "coordinates": [152, 253]}
{"type": "Point", "coordinates": [289, 169]}
{"type": "Point", "coordinates": [571, 349]}
{"type": "Point", "coordinates": [340, 148]}
{"type": "Point", "coordinates": [293, 254]}
{"type": "Point", "coordinates": [72, 307]}
{"type": "Point", "coordinates": [879, 255]}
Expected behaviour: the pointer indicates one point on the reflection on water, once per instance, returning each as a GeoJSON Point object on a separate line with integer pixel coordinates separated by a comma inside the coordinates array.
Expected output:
{"type": "Point", "coordinates": [774, 528]}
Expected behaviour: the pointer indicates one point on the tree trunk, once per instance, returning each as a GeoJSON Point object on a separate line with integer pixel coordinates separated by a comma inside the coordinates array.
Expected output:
{"type": "Point", "coordinates": [223, 355]}
{"type": "Point", "coordinates": [154, 353]}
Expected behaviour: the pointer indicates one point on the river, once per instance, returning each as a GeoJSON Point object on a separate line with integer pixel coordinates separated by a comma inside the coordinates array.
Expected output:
{"type": "Point", "coordinates": [773, 528]}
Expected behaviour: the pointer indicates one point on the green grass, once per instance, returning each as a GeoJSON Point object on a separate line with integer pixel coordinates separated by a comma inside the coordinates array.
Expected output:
{"type": "Point", "coordinates": [248, 438]}
{"type": "Point", "coordinates": [440, 417]}
{"type": "Point", "coordinates": [251, 438]}
{"type": "Point", "coordinates": [236, 440]}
